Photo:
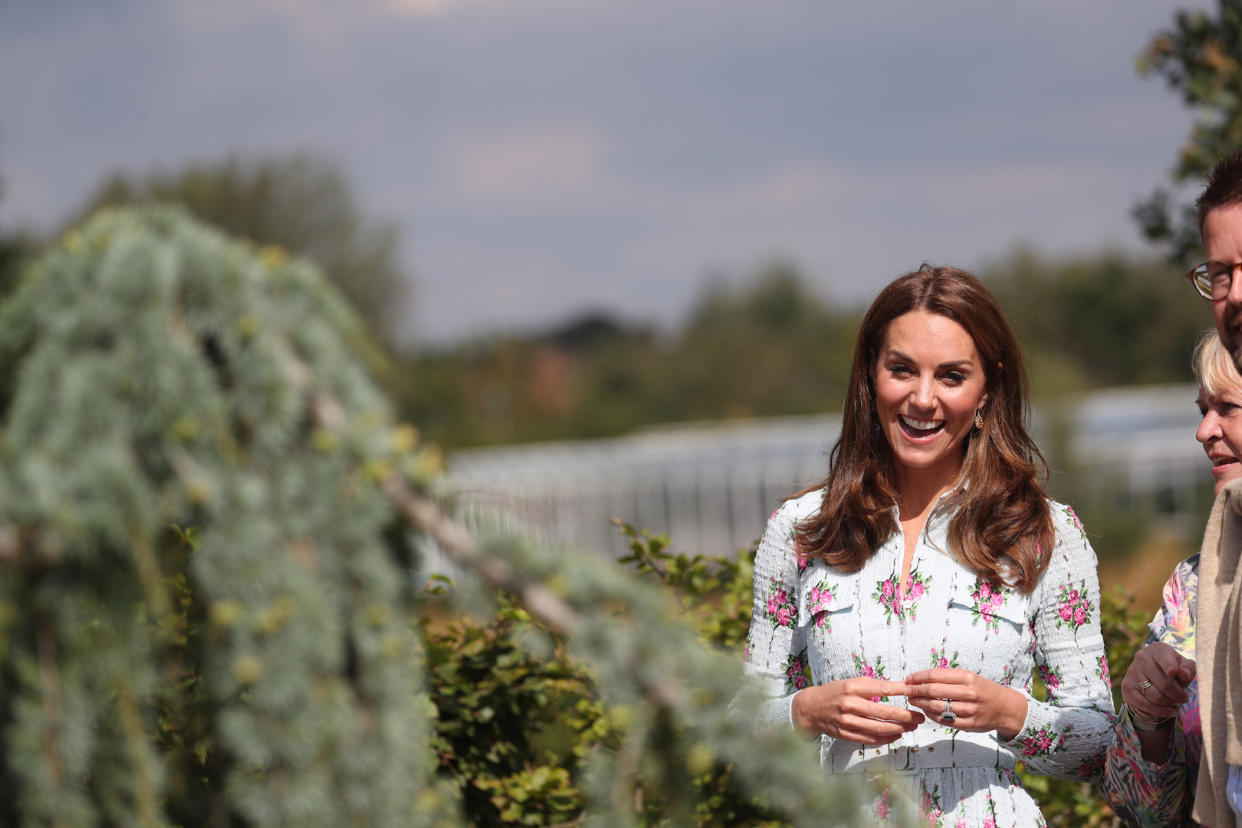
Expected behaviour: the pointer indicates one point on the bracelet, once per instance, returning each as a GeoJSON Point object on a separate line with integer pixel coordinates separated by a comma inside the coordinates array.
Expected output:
{"type": "Point", "coordinates": [1149, 726]}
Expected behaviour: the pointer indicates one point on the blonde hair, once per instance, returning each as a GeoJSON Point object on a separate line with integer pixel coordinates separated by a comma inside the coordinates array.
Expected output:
{"type": "Point", "coordinates": [1213, 366]}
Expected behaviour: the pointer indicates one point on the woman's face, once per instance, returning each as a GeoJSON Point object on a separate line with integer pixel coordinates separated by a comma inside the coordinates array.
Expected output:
{"type": "Point", "coordinates": [1220, 432]}
{"type": "Point", "coordinates": [929, 381]}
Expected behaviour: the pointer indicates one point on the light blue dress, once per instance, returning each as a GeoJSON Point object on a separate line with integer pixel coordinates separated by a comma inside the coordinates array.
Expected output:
{"type": "Point", "coordinates": [846, 625]}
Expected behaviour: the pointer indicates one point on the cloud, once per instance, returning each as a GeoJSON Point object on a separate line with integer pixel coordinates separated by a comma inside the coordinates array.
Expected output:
{"type": "Point", "coordinates": [422, 8]}
{"type": "Point", "coordinates": [549, 165]}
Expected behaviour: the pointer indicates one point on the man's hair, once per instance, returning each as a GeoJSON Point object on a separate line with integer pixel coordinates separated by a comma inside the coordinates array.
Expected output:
{"type": "Point", "coordinates": [1224, 186]}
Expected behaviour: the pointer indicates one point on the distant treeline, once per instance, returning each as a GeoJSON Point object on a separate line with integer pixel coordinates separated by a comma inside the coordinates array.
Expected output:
{"type": "Point", "coordinates": [773, 346]}
{"type": "Point", "coordinates": [766, 345]}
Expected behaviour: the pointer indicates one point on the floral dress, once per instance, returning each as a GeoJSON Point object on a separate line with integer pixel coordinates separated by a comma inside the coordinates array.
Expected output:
{"type": "Point", "coordinates": [1147, 793]}
{"type": "Point", "coordinates": [809, 616]}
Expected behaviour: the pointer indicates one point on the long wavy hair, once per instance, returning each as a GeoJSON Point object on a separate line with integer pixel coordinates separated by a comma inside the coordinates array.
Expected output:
{"type": "Point", "coordinates": [1001, 526]}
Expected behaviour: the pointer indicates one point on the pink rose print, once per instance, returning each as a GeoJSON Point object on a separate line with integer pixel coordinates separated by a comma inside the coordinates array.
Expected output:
{"type": "Point", "coordinates": [988, 599]}
{"type": "Point", "coordinates": [1074, 608]}
{"type": "Point", "coordinates": [929, 806]}
{"type": "Point", "coordinates": [820, 598]}
{"type": "Point", "coordinates": [1091, 768]}
{"type": "Point", "coordinates": [1050, 676]}
{"type": "Point", "coordinates": [746, 653]}
{"type": "Point", "coordinates": [1074, 519]}
{"type": "Point", "coordinates": [990, 821]}
{"type": "Point", "coordinates": [881, 805]}
{"type": "Point", "coordinates": [867, 671]}
{"type": "Point", "coordinates": [898, 603]}
{"type": "Point", "coordinates": [780, 606]}
{"type": "Point", "coordinates": [1101, 672]}
{"type": "Point", "coordinates": [795, 674]}
{"type": "Point", "coordinates": [1042, 742]}
{"type": "Point", "coordinates": [941, 658]}
{"type": "Point", "coordinates": [804, 560]}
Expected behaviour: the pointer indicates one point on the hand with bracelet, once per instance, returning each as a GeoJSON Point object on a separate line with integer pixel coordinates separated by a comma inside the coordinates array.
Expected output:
{"type": "Point", "coordinates": [1153, 689]}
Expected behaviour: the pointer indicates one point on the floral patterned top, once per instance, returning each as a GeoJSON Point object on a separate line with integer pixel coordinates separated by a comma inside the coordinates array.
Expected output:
{"type": "Point", "coordinates": [809, 617]}
{"type": "Point", "coordinates": [1147, 793]}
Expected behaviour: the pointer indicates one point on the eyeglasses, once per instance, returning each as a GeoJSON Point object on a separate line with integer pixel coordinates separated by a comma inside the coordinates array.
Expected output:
{"type": "Point", "coordinates": [1213, 279]}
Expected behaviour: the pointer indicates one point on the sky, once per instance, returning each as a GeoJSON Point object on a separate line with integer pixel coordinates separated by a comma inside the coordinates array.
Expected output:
{"type": "Point", "coordinates": [548, 158]}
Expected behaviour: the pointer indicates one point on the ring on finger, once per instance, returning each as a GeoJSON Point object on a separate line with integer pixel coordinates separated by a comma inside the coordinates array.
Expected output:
{"type": "Point", "coordinates": [948, 716]}
{"type": "Point", "coordinates": [1144, 686]}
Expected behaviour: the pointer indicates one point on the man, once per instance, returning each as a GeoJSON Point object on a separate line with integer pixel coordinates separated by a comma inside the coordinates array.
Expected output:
{"type": "Point", "coordinates": [1218, 642]}
{"type": "Point", "coordinates": [1220, 225]}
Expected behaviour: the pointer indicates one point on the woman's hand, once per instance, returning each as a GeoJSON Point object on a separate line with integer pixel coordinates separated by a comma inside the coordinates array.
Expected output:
{"type": "Point", "coordinates": [850, 709]}
{"type": "Point", "coordinates": [1155, 685]}
{"type": "Point", "coordinates": [978, 704]}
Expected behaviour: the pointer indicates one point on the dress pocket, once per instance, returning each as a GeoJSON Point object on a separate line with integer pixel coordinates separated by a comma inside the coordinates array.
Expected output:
{"type": "Point", "coordinates": [996, 609]}
{"type": "Point", "coordinates": [822, 598]}
{"type": "Point", "coordinates": [987, 630]}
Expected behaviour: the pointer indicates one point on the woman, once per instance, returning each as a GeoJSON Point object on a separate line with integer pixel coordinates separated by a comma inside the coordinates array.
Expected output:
{"type": "Point", "coordinates": [929, 568]}
{"type": "Point", "coordinates": [1153, 765]}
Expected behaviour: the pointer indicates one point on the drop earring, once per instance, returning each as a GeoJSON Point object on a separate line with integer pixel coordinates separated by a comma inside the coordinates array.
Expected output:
{"type": "Point", "coordinates": [979, 419]}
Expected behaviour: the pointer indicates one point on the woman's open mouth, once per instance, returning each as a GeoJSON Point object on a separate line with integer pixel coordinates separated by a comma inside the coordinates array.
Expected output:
{"type": "Point", "coordinates": [919, 429]}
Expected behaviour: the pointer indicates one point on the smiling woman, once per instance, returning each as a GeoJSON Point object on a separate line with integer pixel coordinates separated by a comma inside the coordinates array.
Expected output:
{"type": "Point", "coordinates": [929, 388]}
{"type": "Point", "coordinates": [1153, 766]}
{"type": "Point", "coordinates": [927, 577]}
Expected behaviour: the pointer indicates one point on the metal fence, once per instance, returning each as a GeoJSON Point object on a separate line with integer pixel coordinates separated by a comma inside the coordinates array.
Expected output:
{"type": "Point", "coordinates": [711, 486]}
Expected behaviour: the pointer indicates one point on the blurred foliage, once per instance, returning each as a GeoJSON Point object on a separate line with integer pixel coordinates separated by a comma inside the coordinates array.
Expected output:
{"type": "Point", "coordinates": [499, 739]}
{"type": "Point", "coordinates": [202, 607]}
{"type": "Point", "coordinates": [771, 346]}
{"type": "Point", "coordinates": [209, 525]}
{"type": "Point", "coordinates": [1199, 57]}
{"type": "Point", "coordinates": [301, 202]}
{"type": "Point", "coordinates": [518, 718]}
{"type": "Point", "coordinates": [1108, 320]}
{"type": "Point", "coordinates": [515, 717]}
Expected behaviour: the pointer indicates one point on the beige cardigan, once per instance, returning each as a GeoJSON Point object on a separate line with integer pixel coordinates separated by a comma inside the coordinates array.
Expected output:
{"type": "Point", "coordinates": [1218, 654]}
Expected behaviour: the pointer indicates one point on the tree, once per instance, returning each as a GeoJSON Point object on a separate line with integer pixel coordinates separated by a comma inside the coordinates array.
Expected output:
{"type": "Point", "coordinates": [1201, 58]}
{"type": "Point", "coordinates": [1100, 321]}
{"type": "Point", "coordinates": [301, 202]}
{"type": "Point", "coordinates": [207, 601]}
{"type": "Point", "coordinates": [201, 617]}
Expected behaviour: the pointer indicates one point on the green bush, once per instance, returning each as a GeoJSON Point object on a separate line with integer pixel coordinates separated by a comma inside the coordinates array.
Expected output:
{"type": "Point", "coordinates": [257, 668]}
{"type": "Point", "coordinates": [542, 712]}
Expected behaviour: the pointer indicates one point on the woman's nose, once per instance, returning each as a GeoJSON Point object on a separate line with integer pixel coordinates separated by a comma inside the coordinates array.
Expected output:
{"type": "Point", "coordinates": [924, 394]}
{"type": "Point", "coordinates": [1209, 427]}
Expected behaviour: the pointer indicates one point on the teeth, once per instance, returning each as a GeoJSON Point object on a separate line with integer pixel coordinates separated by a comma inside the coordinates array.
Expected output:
{"type": "Point", "coordinates": [921, 425]}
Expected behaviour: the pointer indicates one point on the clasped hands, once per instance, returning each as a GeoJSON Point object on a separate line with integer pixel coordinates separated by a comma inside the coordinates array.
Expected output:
{"type": "Point", "coordinates": [851, 709]}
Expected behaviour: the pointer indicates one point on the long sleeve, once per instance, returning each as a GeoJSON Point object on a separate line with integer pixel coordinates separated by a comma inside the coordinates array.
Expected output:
{"type": "Point", "coordinates": [1160, 793]}
{"type": "Point", "coordinates": [1067, 735]}
{"type": "Point", "coordinates": [1147, 793]}
{"type": "Point", "coordinates": [775, 651]}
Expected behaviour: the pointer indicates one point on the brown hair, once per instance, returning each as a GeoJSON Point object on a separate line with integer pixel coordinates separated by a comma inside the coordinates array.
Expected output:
{"type": "Point", "coordinates": [1002, 528]}
{"type": "Point", "coordinates": [1224, 187]}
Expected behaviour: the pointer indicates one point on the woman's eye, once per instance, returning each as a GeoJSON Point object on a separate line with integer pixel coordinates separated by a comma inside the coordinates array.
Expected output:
{"type": "Point", "coordinates": [955, 377]}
